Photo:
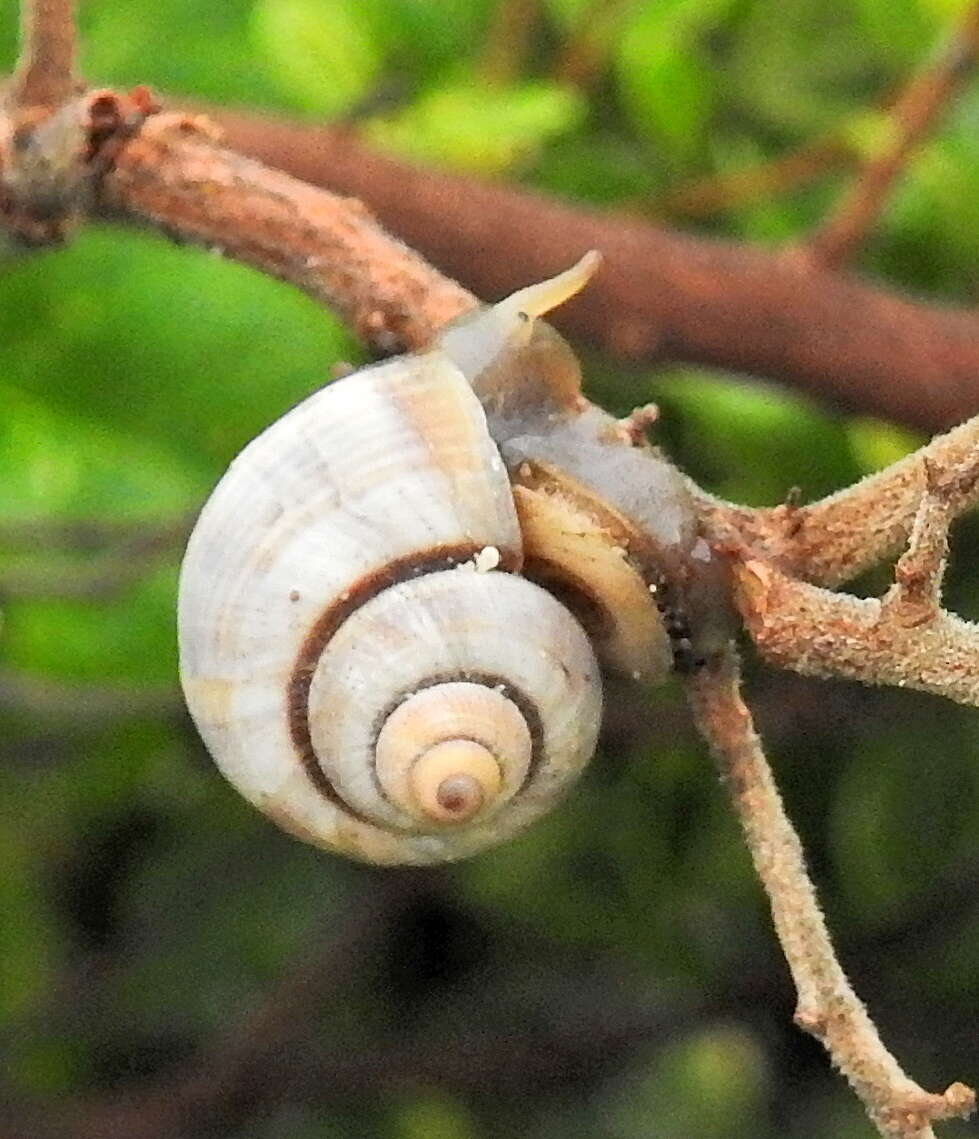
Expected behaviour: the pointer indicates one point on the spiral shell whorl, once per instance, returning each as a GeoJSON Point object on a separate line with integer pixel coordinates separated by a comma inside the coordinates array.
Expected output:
{"type": "Point", "coordinates": [318, 595]}
{"type": "Point", "coordinates": [445, 750]}
{"type": "Point", "coordinates": [425, 665]}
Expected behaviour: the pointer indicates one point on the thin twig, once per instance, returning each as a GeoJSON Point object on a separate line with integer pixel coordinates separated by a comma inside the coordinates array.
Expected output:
{"type": "Point", "coordinates": [508, 40]}
{"type": "Point", "coordinates": [837, 538]}
{"type": "Point", "coordinates": [173, 175]}
{"type": "Point", "coordinates": [876, 641]}
{"type": "Point", "coordinates": [840, 237]}
{"type": "Point", "coordinates": [46, 701]}
{"type": "Point", "coordinates": [45, 75]}
{"type": "Point", "coordinates": [84, 535]}
{"type": "Point", "coordinates": [707, 197]}
{"type": "Point", "coordinates": [828, 1008]}
{"type": "Point", "coordinates": [585, 52]}
{"type": "Point", "coordinates": [112, 571]}
{"type": "Point", "coordinates": [662, 295]}
{"type": "Point", "coordinates": [903, 639]}
{"type": "Point", "coordinates": [98, 583]}
{"type": "Point", "coordinates": [50, 161]}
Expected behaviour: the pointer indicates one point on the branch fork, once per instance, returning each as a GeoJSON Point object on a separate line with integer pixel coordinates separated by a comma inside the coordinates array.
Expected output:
{"type": "Point", "coordinates": [51, 160]}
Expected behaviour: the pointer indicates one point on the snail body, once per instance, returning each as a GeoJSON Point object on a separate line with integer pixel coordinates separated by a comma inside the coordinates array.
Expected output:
{"type": "Point", "coordinates": [359, 649]}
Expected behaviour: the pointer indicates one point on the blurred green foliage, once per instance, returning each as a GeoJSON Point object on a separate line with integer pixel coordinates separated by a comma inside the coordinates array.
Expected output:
{"type": "Point", "coordinates": [131, 371]}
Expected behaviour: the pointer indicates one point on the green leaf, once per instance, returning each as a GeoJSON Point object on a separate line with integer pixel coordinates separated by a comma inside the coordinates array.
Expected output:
{"type": "Point", "coordinates": [321, 52]}
{"type": "Point", "coordinates": [54, 465]}
{"type": "Point", "coordinates": [427, 35]}
{"type": "Point", "coordinates": [569, 14]}
{"type": "Point", "coordinates": [667, 87]}
{"type": "Point", "coordinates": [899, 28]}
{"type": "Point", "coordinates": [480, 129]}
{"type": "Point", "coordinates": [601, 168]}
{"type": "Point", "coordinates": [762, 441]}
{"type": "Point", "coordinates": [131, 640]}
{"type": "Point", "coordinates": [193, 352]}
{"type": "Point", "coordinates": [804, 67]}
{"type": "Point", "coordinates": [876, 444]}
{"type": "Point", "coordinates": [869, 132]}
{"type": "Point", "coordinates": [944, 11]}
{"type": "Point", "coordinates": [204, 52]}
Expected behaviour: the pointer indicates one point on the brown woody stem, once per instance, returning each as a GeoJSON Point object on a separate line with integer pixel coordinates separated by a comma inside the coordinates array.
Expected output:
{"type": "Point", "coordinates": [828, 1008]}
{"type": "Point", "coordinates": [912, 116]}
{"type": "Point", "coordinates": [45, 75]}
{"type": "Point", "coordinates": [663, 295]}
{"type": "Point", "coordinates": [837, 538]}
{"type": "Point", "coordinates": [174, 176]}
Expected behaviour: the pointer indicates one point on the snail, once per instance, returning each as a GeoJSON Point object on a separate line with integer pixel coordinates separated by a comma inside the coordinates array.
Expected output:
{"type": "Point", "coordinates": [383, 605]}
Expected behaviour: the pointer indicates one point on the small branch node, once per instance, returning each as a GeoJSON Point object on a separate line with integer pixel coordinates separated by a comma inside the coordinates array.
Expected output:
{"type": "Point", "coordinates": [632, 429]}
{"type": "Point", "coordinates": [959, 1101]}
{"type": "Point", "coordinates": [755, 583]}
{"type": "Point", "coordinates": [810, 1020]}
{"type": "Point", "coordinates": [51, 160]}
{"type": "Point", "coordinates": [788, 516]}
{"type": "Point", "coordinates": [915, 596]}
{"type": "Point", "coordinates": [839, 537]}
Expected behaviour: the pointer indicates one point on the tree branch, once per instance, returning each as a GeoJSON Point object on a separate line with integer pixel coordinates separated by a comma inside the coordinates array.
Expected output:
{"type": "Point", "coordinates": [828, 1008]}
{"type": "Point", "coordinates": [508, 40]}
{"type": "Point", "coordinates": [108, 574]}
{"type": "Point", "coordinates": [85, 535]}
{"type": "Point", "coordinates": [50, 162]}
{"type": "Point", "coordinates": [52, 702]}
{"type": "Point", "coordinates": [584, 52]}
{"type": "Point", "coordinates": [876, 641]}
{"type": "Point", "coordinates": [45, 74]}
{"type": "Point", "coordinates": [837, 538]}
{"type": "Point", "coordinates": [904, 639]}
{"type": "Point", "coordinates": [174, 176]}
{"type": "Point", "coordinates": [839, 237]}
{"type": "Point", "coordinates": [663, 295]}
{"type": "Point", "coordinates": [706, 197]}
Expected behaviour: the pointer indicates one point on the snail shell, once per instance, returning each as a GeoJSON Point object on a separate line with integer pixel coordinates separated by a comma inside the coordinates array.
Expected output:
{"type": "Point", "coordinates": [361, 645]}
{"type": "Point", "coordinates": [357, 649]}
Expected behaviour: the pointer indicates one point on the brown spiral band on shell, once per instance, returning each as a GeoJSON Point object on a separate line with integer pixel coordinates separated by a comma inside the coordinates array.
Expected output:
{"type": "Point", "coordinates": [395, 572]}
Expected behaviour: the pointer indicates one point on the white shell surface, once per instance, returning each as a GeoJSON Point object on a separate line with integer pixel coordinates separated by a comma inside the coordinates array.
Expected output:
{"type": "Point", "coordinates": [389, 463]}
{"type": "Point", "coordinates": [458, 625]}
